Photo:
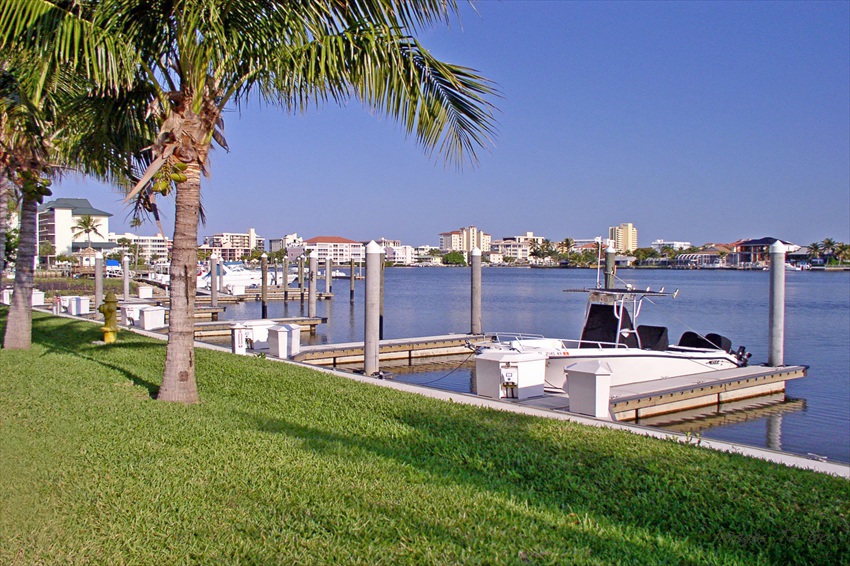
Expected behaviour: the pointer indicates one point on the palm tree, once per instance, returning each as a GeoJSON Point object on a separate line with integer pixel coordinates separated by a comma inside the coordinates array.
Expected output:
{"type": "Point", "coordinates": [828, 246]}
{"type": "Point", "coordinates": [86, 224]}
{"type": "Point", "coordinates": [814, 250]}
{"type": "Point", "coordinates": [47, 127]}
{"type": "Point", "coordinates": [199, 56]}
{"type": "Point", "coordinates": [842, 252]}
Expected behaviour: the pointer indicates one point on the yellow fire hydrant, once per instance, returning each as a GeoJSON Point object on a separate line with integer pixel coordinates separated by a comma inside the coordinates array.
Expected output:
{"type": "Point", "coordinates": [109, 308]}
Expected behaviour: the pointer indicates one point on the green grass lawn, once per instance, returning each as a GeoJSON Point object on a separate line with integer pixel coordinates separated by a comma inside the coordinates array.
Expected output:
{"type": "Point", "coordinates": [285, 465]}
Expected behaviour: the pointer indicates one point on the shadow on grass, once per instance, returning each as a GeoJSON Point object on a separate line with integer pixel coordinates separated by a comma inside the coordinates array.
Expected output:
{"type": "Point", "coordinates": [686, 506]}
{"type": "Point", "coordinates": [75, 338]}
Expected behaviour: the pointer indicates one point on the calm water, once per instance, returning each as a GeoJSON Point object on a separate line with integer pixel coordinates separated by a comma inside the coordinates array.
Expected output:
{"type": "Point", "coordinates": [430, 301]}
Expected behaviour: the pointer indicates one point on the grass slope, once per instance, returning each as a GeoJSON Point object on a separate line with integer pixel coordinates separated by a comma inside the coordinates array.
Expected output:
{"type": "Point", "coordinates": [285, 465]}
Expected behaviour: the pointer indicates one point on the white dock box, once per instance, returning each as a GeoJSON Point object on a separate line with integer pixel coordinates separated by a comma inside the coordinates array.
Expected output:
{"type": "Point", "coordinates": [37, 298]}
{"type": "Point", "coordinates": [152, 318]}
{"type": "Point", "coordinates": [505, 374]}
{"type": "Point", "coordinates": [145, 292]}
{"type": "Point", "coordinates": [589, 385]}
{"type": "Point", "coordinates": [78, 305]}
{"type": "Point", "coordinates": [7, 297]}
{"type": "Point", "coordinates": [130, 314]}
{"type": "Point", "coordinates": [236, 290]}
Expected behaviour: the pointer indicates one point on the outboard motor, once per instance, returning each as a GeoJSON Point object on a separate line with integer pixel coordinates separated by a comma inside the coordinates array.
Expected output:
{"type": "Point", "coordinates": [743, 355]}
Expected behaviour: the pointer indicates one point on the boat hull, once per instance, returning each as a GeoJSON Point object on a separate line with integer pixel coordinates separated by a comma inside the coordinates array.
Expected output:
{"type": "Point", "coordinates": [629, 365]}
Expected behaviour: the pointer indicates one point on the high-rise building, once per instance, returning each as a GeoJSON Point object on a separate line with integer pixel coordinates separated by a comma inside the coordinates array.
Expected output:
{"type": "Point", "coordinates": [233, 247]}
{"type": "Point", "coordinates": [464, 240]}
{"type": "Point", "coordinates": [624, 236]}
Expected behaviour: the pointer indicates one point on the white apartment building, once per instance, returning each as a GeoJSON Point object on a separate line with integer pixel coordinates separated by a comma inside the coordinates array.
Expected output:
{"type": "Point", "coordinates": [400, 255]}
{"type": "Point", "coordinates": [658, 244]}
{"type": "Point", "coordinates": [464, 240]}
{"type": "Point", "coordinates": [519, 251]}
{"type": "Point", "coordinates": [231, 246]}
{"type": "Point", "coordinates": [340, 250]}
{"type": "Point", "coordinates": [148, 247]}
{"type": "Point", "coordinates": [527, 237]}
{"type": "Point", "coordinates": [56, 221]}
{"type": "Point", "coordinates": [277, 244]}
{"type": "Point", "coordinates": [625, 237]}
{"type": "Point", "coordinates": [426, 255]}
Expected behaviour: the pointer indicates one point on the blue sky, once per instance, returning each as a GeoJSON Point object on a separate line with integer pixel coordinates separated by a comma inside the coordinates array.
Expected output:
{"type": "Point", "coordinates": [703, 122]}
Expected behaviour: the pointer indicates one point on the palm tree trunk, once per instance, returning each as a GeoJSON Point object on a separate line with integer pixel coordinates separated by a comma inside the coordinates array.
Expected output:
{"type": "Point", "coordinates": [19, 324]}
{"type": "Point", "coordinates": [178, 380]}
{"type": "Point", "coordinates": [5, 198]}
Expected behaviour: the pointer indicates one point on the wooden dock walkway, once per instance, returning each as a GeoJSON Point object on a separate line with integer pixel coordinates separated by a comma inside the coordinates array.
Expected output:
{"type": "Point", "coordinates": [408, 349]}
{"type": "Point", "coordinates": [650, 398]}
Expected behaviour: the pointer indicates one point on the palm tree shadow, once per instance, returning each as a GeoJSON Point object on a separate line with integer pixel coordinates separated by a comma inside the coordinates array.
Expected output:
{"type": "Point", "coordinates": [77, 338]}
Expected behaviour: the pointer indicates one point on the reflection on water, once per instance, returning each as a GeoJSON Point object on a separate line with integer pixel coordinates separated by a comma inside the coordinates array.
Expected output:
{"type": "Point", "coordinates": [428, 302]}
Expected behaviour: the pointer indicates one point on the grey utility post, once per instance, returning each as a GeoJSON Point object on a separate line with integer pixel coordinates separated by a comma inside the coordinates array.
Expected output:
{"type": "Point", "coordinates": [351, 287]}
{"type": "Point", "coordinates": [221, 275]}
{"type": "Point", "coordinates": [285, 276]}
{"type": "Point", "coordinates": [125, 273]}
{"type": "Point", "coordinates": [329, 265]}
{"type": "Point", "coordinates": [98, 281]}
{"type": "Point", "coordinates": [264, 286]}
{"type": "Point", "coordinates": [776, 318]}
{"type": "Point", "coordinates": [314, 267]}
{"type": "Point", "coordinates": [475, 311]}
{"type": "Point", "coordinates": [213, 280]}
{"type": "Point", "coordinates": [610, 255]}
{"type": "Point", "coordinates": [371, 346]}
{"type": "Point", "coordinates": [301, 277]}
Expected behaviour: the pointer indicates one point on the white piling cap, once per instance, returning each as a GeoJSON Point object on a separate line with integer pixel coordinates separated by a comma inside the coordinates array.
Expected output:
{"type": "Point", "coordinates": [98, 255]}
{"type": "Point", "coordinates": [126, 258]}
{"type": "Point", "coordinates": [476, 252]}
{"type": "Point", "coordinates": [777, 247]}
{"type": "Point", "coordinates": [313, 254]}
{"type": "Point", "coordinates": [213, 256]}
{"type": "Point", "coordinates": [610, 250]}
{"type": "Point", "coordinates": [373, 248]}
{"type": "Point", "coordinates": [264, 255]}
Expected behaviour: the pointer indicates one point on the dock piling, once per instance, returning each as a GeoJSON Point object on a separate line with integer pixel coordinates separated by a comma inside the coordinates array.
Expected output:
{"type": "Point", "coordinates": [301, 277]}
{"type": "Point", "coordinates": [610, 261]}
{"type": "Point", "coordinates": [214, 280]}
{"type": "Point", "coordinates": [98, 282]}
{"type": "Point", "coordinates": [351, 287]}
{"type": "Point", "coordinates": [329, 264]}
{"type": "Point", "coordinates": [311, 299]}
{"type": "Point", "coordinates": [371, 345]}
{"type": "Point", "coordinates": [285, 277]}
{"type": "Point", "coordinates": [125, 274]}
{"type": "Point", "coordinates": [475, 311]}
{"type": "Point", "coordinates": [264, 286]}
{"type": "Point", "coordinates": [776, 318]}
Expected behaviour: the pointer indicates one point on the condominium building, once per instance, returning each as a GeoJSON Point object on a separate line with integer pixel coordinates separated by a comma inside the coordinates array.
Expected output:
{"type": "Point", "coordinates": [658, 245]}
{"type": "Point", "coordinates": [232, 246]}
{"type": "Point", "coordinates": [625, 237]}
{"type": "Point", "coordinates": [511, 248]}
{"type": "Point", "coordinates": [340, 250]}
{"type": "Point", "coordinates": [277, 244]}
{"type": "Point", "coordinates": [148, 248]}
{"type": "Point", "coordinates": [400, 255]}
{"type": "Point", "coordinates": [464, 240]}
{"type": "Point", "coordinates": [56, 225]}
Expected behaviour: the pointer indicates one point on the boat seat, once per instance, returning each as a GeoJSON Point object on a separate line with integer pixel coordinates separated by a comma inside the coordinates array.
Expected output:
{"type": "Point", "coordinates": [601, 327]}
{"type": "Point", "coordinates": [709, 341]}
{"type": "Point", "coordinates": [653, 337]}
{"type": "Point", "coordinates": [720, 342]}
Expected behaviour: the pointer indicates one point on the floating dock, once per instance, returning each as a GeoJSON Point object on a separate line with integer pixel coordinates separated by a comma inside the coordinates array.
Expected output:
{"type": "Point", "coordinates": [407, 349]}
{"type": "Point", "coordinates": [631, 402]}
{"type": "Point", "coordinates": [651, 398]}
{"type": "Point", "coordinates": [221, 329]}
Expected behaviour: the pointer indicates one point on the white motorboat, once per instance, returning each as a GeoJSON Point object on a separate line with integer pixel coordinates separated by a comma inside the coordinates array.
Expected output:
{"type": "Point", "coordinates": [236, 274]}
{"type": "Point", "coordinates": [631, 353]}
